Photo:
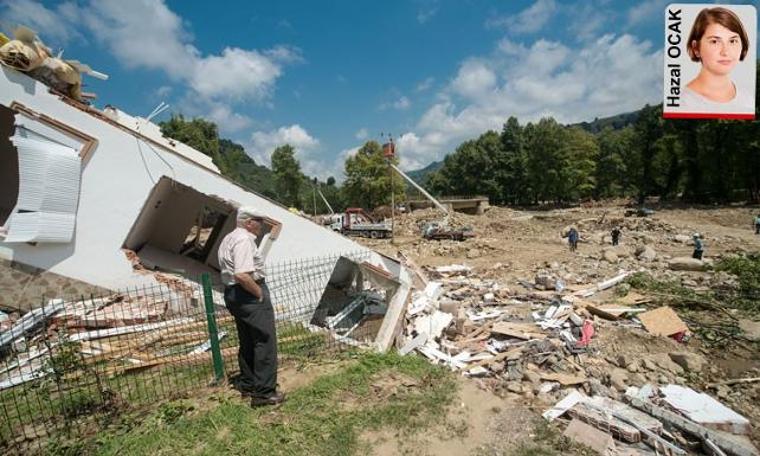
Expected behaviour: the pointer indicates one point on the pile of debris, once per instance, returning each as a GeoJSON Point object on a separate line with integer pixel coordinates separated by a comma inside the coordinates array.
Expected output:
{"type": "Point", "coordinates": [541, 344]}
{"type": "Point", "coordinates": [27, 53]}
{"type": "Point", "coordinates": [119, 333]}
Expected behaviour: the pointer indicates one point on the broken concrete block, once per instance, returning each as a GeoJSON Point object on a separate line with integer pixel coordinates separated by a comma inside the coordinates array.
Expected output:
{"type": "Point", "coordinates": [751, 329]}
{"type": "Point", "coordinates": [704, 410]}
{"type": "Point", "coordinates": [618, 379]}
{"type": "Point", "coordinates": [449, 306]}
{"type": "Point", "coordinates": [587, 435]}
{"type": "Point", "coordinates": [686, 264]}
{"type": "Point", "coordinates": [664, 362]}
{"type": "Point", "coordinates": [646, 253]}
{"type": "Point", "coordinates": [433, 324]}
{"type": "Point", "coordinates": [691, 362]}
{"type": "Point", "coordinates": [559, 409]}
{"type": "Point", "coordinates": [609, 255]}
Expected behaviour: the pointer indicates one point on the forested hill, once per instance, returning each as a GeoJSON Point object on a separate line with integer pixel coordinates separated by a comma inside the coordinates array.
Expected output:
{"type": "Point", "coordinates": [420, 175]}
{"type": "Point", "coordinates": [615, 122]}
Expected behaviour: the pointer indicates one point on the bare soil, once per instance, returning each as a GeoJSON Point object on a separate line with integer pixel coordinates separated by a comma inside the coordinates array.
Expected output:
{"type": "Point", "coordinates": [514, 245]}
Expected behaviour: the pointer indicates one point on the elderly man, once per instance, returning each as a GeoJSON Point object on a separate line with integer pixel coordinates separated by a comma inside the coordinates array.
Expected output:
{"type": "Point", "coordinates": [247, 298]}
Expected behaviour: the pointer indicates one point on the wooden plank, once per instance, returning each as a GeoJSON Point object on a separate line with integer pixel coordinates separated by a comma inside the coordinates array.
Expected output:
{"type": "Point", "coordinates": [523, 331]}
{"type": "Point", "coordinates": [564, 379]}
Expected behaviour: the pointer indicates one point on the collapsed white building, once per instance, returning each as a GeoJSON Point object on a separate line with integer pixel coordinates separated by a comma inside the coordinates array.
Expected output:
{"type": "Point", "coordinates": [81, 188]}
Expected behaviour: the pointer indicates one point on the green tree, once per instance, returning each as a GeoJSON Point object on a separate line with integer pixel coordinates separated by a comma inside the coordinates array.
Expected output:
{"type": "Point", "coordinates": [200, 134]}
{"type": "Point", "coordinates": [543, 144]}
{"type": "Point", "coordinates": [512, 174]}
{"type": "Point", "coordinates": [648, 129]}
{"type": "Point", "coordinates": [615, 163]}
{"type": "Point", "coordinates": [287, 175]}
{"type": "Point", "coordinates": [578, 159]}
{"type": "Point", "coordinates": [368, 178]}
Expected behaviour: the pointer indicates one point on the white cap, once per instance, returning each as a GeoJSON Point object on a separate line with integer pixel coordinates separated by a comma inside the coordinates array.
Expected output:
{"type": "Point", "coordinates": [247, 212]}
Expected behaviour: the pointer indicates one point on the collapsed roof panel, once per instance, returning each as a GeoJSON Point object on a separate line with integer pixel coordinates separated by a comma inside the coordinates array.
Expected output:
{"type": "Point", "coordinates": [117, 178]}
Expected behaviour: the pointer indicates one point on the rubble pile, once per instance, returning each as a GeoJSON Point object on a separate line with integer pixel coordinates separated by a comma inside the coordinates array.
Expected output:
{"type": "Point", "coordinates": [546, 343]}
{"type": "Point", "coordinates": [119, 333]}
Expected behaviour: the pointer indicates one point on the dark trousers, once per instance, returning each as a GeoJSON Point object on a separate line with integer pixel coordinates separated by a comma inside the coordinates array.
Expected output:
{"type": "Point", "coordinates": [257, 354]}
{"type": "Point", "coordinates": [757, 228]}
{"type": "Point", "coordinates": [615, 241]}
{"type": "Point", "coordinates": [697, 254]}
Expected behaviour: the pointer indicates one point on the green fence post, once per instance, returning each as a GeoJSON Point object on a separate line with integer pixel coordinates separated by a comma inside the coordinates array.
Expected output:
{"type": "Point", "coordinates": [216, 352]}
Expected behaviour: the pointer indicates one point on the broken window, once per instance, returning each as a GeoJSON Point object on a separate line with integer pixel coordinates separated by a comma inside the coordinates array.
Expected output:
{"type": "Point", "coordinates": [179, 230]}
{"type": "Point", "coordinates": [355, 301]}
{"type": "Point", "coordinates": [44, 158]}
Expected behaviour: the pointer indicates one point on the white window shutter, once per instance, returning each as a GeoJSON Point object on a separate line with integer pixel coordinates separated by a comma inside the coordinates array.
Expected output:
{"type": "Point", "coordinates": [49, 179]}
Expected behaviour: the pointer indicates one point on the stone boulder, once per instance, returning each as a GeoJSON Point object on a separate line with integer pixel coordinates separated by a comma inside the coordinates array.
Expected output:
{"type": "Point", "coordinates": [682, 238]}
{"type": "Point", "coordinates": [609, 255]}
{"type": "Point", "coordinates": [645, 253]}
{"type": "Point", "coordinates": [690, 362]}
{"type": "Point", "coordinates": [686, 264]}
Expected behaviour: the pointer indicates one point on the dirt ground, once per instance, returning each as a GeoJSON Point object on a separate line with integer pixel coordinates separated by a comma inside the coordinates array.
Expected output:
{"type": "Point", "coordinates": [512, 246]}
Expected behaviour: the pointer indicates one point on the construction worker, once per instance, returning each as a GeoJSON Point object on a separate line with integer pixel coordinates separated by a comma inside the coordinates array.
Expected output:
{"type": "Point", "coordinates": [757, 224]}
{"type": "Point", "coordinates": [247, 298]}
{"type": "Point", "coordinates": [572, 239]}
{"type": "Point", "coordinates": [615, 235]}
{"type": "Point", "coordinates": [698, 247]}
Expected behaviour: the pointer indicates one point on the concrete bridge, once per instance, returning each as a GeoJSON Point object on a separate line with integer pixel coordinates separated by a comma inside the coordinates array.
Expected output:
{"type": "Point", "coordinates": [467, 204]}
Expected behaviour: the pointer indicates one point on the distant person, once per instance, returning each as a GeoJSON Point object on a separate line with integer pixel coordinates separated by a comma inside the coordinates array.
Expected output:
{"type": "Point", "coordinates": [615, 235]}
{"type": "Point", "coordinates": [757, 224]}
{"type": "Point", "coordinates": [718, 41]}
{"type": "Point", "coordinates": [247, 298]}
{"type": "Point", "coordinates": [572, 239]}
{"type": "Point", "coordinates": [698, 247]}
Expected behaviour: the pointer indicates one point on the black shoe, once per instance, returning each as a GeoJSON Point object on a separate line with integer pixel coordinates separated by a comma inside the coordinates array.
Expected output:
{"type": "Point", "coordinates": [274, 399]}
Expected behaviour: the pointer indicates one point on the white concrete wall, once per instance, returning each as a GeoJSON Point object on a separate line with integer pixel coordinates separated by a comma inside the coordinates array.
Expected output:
{"type": "Point", "coordinates": [117, 178]}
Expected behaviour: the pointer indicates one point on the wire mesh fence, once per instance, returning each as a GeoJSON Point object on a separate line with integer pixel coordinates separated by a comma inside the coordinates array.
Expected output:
{"type": "Point", "coordinates": [75, 362]}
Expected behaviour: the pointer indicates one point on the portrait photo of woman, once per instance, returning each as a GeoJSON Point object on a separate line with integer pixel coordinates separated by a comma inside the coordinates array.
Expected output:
{"type": "Point", "coordinates": [718, 42]}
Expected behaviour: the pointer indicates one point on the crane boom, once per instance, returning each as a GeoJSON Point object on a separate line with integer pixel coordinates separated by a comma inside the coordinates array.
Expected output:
{"type": "Point", "coordinates": [422, 190]}
{"type": "Point", "coordinates": [326, 203]}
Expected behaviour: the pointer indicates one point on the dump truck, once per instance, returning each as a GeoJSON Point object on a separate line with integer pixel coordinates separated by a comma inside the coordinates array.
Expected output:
{"type": "Point", "coordinates": [357, 222]}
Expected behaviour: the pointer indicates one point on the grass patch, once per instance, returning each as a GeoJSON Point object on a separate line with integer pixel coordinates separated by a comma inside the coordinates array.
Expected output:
{"type": "Point", "coordinates": [312, 421]}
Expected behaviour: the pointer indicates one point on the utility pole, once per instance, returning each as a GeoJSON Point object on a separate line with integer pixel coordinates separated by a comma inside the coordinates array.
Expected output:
{"type": "Point", "coordinates": [389, 151]}
{"type": "Point", "coordinates": [314, 195]}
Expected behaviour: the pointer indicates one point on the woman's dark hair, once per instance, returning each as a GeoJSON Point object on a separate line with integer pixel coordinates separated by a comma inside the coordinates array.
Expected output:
{"type": "Point", "coordinates": [717, 15]}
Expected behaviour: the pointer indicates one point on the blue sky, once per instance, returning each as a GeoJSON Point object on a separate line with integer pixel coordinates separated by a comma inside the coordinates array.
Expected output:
{"type": "Point", "coordinates": [325, 76]}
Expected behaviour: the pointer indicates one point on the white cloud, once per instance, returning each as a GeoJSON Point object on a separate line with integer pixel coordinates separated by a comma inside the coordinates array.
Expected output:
{"type": "Point", "coordinates": [530, 20]}
{"type": "Point", "coordinates": [263, 143]}
{"type": "Point", "coordinates": [401, 104]}
{"type": "Point", "coordinates": [143, 34]}
{"type": "Point", "coordinates": [163, 91]}
{"type": "Point", "coordinates": [646, 11]}
{"type": "Point", "coordinates": [361, 134]}
{"type": "Point", "coordinates": [235, 74]}
{"type": "Point", "coordinates": [424, 85]}
{"type": "Point", "coordinates": [227, 120]}
{"type": "Point", "coordinates": [474, 79]}
{"type": "Point", "coordinates": [47, 23]}
{"type": "Point", "coordinates": [607, 76]}
{"type": "Point", "coordinates": [147, 34]}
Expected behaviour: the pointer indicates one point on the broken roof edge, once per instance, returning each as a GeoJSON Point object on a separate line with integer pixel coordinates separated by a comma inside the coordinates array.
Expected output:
{"type": "Point", "coordinates": [140, 128]}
